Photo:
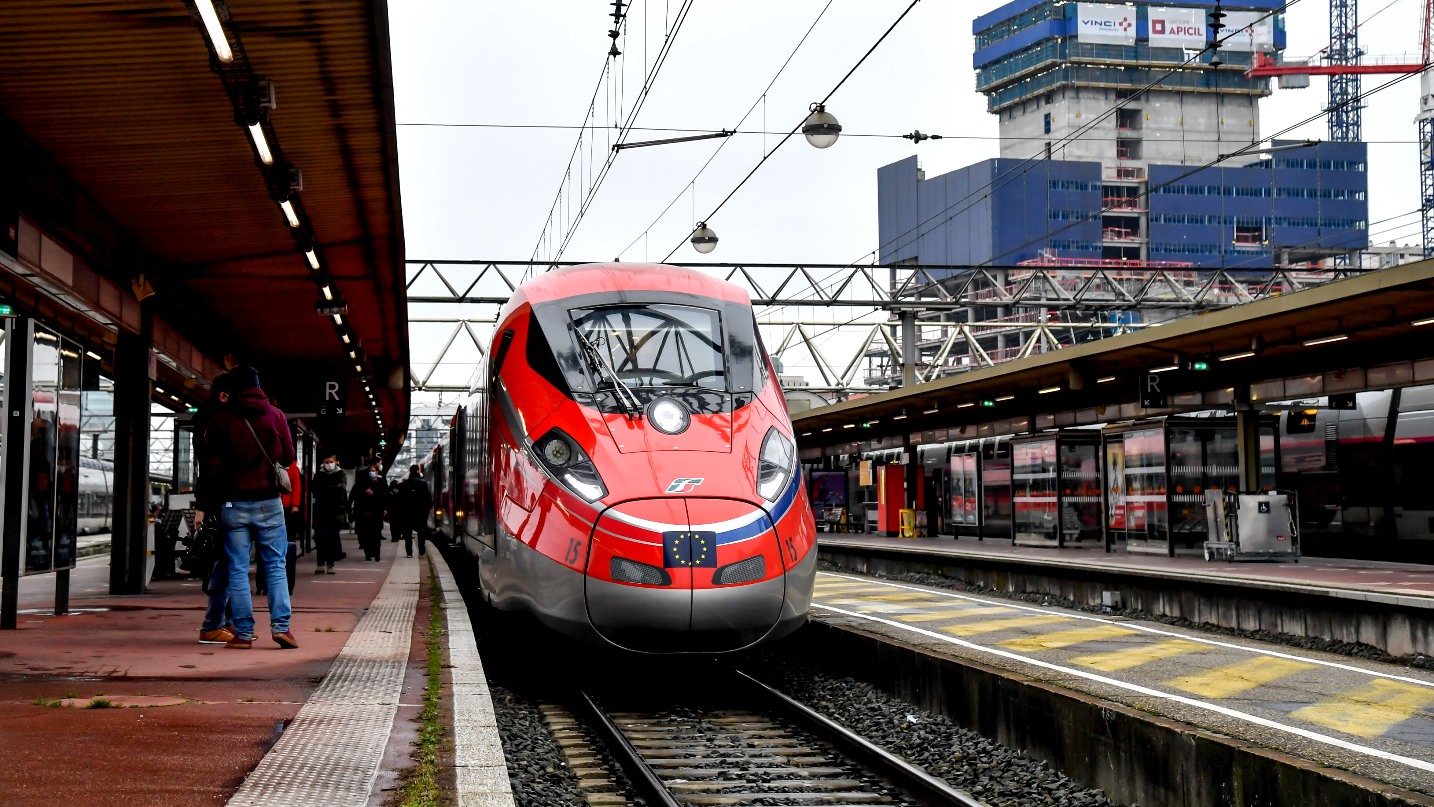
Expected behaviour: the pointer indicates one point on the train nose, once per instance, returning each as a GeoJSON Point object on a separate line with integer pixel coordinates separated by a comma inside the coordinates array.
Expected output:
{"type": "Point", "coordinates": [686, 574]}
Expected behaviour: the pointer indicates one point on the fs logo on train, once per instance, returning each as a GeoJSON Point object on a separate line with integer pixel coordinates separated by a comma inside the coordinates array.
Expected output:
{"type": "Point", "coordinates": [684, 484]}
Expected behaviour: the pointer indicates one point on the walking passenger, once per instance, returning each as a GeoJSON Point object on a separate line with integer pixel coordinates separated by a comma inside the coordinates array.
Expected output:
{"type": "Point", "coordinates": [414, 502]}
{"type": "Point", "coordinates": [218, 624]}
{"type": "Point", "coordinates": [330, 512]}
{"type": "Point", "coordinates": [246, 446]}
{"type": "Point", "coordinates": [368, 500]}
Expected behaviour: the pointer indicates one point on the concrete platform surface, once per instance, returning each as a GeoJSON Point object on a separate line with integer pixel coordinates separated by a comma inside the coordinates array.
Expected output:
{"type": "Point", "coordinates": [138, 654]}
{"type": "Point", "coordinates": [1372, 718]}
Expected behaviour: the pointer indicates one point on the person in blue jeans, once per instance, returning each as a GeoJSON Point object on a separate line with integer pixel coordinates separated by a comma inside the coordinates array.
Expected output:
{"type": "Point", "coordinates": [246, 445]}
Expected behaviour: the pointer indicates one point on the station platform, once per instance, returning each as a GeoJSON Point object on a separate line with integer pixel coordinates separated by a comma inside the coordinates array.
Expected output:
{"type": "Point", "coordinates": [118, 703]}
{"type": "Point", "coordinates": [1386, 606]}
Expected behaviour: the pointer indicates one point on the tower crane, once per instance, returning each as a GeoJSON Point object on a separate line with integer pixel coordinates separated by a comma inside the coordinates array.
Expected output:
{"type": "Point", "coordinates": [1345, 63]}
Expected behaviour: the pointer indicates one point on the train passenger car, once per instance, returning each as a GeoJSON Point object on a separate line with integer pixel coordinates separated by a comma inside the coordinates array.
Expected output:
{"type": "Point", "coordinates": [96, 499]}
{"type": "Point", "coordinates": [626, 470]}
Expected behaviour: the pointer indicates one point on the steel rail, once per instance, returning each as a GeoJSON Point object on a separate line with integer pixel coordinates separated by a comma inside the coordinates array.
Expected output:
{"type": "Point", "coordinates": [644, 780]}
{"type": "Point", "coordinates": [910, 778]}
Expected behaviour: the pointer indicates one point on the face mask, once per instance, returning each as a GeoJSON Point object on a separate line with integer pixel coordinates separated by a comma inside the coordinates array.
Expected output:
{"type": "Point", "coordinates": [330, 466]}
{"type": "Point", "coordinates": [373, 474]}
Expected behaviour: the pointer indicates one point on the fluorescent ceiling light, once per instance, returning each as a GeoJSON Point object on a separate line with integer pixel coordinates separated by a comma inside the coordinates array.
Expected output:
{"type": "Point", "coordinates": [966, 405]}
{"type": "Point", "coordinates": [930, 411]}
{"type": "Point", "coordinates": [827, 429]}
{"type": "Point", "coordinates": [1006, 398]}
{"type": "Point", "coordinates": [898, 417]}
{"type": "Point", "coordinates": [338, 319]}
{"type": "Point", "coordinates": [1416, 323]}
{"type": "Point", "coordinates": [1105, 379]}
{"type": "Point", "coordinates": [92, 355]}
{"type": "Point", "coordinates": [288, 208]}
{"type": "Point", "coordinates": [1167, 368]}
{"type": "Point", "coordinates": [358, 368]}
{"type": "Point", "coordinates": [1048, 390]}
{"type": "Point", "coordinates": [1324, 340]}
{"type": "Point", "coordinates": [806, 434]}
{"type": "Point", "coordinates": [1244, 354]}
{"type": "Point", "coordinates": [313, 259]}
{"type": "Point", "coordinates": [328, 293]}
{"type": "Point", "coordinates": [849, 426]}
{"type": "Point", "coordinates": [215, 30]}
{"type": "Point", "coordinates": [346, 339]}
{"type": "Point", "coordinates": [353, 354]}
{"type": "Point", "coordinates": [256, 133]}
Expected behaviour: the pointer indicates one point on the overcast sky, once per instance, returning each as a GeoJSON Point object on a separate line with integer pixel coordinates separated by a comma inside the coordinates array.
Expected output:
{"type": "Point", "coordinates": [485, 192]}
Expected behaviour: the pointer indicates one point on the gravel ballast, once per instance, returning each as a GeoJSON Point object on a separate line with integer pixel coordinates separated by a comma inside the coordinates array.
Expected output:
{"type": "Point", "coordinates": [986, 769]}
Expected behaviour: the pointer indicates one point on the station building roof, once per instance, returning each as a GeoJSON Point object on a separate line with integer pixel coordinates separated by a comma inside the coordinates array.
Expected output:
{"type": "Point", "coordinates": [1369, 331]}
{"type": "Point", "coordinates": [132, 157]}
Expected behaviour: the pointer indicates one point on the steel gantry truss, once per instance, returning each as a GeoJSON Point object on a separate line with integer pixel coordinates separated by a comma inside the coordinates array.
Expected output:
{"type": "Point", "coordinates": [958, 317]}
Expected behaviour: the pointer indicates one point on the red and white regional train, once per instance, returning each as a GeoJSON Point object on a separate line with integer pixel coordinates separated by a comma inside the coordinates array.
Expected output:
{"type": "Point", "coordinates": [625, 467]}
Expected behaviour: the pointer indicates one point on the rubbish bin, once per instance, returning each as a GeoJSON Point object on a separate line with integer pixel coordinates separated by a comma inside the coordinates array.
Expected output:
{"type": "Point", "coordinates": [908, 523]}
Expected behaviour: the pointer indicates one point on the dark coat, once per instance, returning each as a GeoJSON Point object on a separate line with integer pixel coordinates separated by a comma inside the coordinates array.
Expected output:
{"type": "Point", "coordinates": [368, 499]}
{"type": "Point", "coordinates": [412, 501]}
{"type": "Point", "coordinates": [330, 499]}
{"type": "Point", "coordinates": [233, 466]}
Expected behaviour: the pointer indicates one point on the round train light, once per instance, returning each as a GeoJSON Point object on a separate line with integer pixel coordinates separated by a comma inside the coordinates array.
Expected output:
{"type": "Point", "coordinates": [557, 452]}
{"type": "Point", "coordinates": [668, 416]}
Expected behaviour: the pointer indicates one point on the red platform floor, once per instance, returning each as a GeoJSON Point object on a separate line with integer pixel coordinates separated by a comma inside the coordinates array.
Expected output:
{"type": "Point", "coordinates": [230, 705]}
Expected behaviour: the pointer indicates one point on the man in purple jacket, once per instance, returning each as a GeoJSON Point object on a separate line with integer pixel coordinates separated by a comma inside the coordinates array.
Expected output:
{"type": "Point", "coordinates": [241, 445]}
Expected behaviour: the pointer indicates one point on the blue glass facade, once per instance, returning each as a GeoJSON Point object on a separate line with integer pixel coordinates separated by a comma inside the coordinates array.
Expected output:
{"type": "Point", "coordinates": [1307, 202]}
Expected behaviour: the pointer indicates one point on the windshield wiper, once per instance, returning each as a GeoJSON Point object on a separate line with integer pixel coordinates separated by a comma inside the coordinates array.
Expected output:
{"type": "Point", "coordinates": [626, 398]}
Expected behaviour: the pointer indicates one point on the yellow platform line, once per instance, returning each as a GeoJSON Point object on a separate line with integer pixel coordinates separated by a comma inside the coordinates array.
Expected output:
{"type": "Point", "coordinates": [904, 596]}
{"type": "Point", "coordinates": [1117, 660]}
{"type": "Point", "coordinates": [1232, 679]}
{"type": "Point", "coordinates": [955, 613]}
{"type": "Point", "coordinates": [1370, 710]}
{"type": "Point", "coordinates": [1065, 638]}
{"type": "Point", "coordinates": [991, 625]}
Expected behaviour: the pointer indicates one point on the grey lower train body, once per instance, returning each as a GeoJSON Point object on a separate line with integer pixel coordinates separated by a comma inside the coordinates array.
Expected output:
{"type": "Point", "coordinates": [515, 577]}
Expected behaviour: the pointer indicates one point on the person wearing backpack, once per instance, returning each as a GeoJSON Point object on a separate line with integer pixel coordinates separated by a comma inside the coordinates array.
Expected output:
{"type": "Point", "coordinates": [246, 451]}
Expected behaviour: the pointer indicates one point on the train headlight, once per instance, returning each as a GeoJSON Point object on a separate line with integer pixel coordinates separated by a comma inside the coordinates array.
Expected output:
{"type": "Point", "coordinates": [774, 465]}
{"type": "Point", "coordinates": [563, 460]}
{"type": "Point", "coordinates": [668, 416]}
{"type": "Point", "coordinates": [557, 451]}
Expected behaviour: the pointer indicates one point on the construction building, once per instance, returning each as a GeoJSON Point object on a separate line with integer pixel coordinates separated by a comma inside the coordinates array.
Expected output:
{"type": "Point", "coordinates": [1130, 148]}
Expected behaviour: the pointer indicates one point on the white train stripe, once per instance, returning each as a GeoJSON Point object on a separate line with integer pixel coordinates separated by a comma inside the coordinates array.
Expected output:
{"type": "Point", "coordinates": [1135, 626]}
{"type": "Point", "coordinates": [1142, 690]}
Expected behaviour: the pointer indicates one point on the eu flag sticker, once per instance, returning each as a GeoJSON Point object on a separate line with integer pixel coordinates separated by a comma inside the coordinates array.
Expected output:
{"type": "Point", "coordinates": [689, 549]}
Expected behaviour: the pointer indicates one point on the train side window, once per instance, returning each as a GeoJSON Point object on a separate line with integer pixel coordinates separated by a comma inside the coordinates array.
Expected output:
{"type": "Point", "coordinates": [1300, 421]}
{"type": "Point", "coordinates": [761, 357]}
{"type": "Point", "coordinates": [541, 358]}
{"type": "Point", "coordinates": [499, 355]}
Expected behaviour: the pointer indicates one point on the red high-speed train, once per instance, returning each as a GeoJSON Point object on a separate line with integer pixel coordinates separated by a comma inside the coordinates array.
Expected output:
{"type": "Point", "coordinates": [625, 467]}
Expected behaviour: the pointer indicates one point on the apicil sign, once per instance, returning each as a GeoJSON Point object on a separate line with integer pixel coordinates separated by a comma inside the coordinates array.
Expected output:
{"type": "Point", "coordinates": [1177, 27]}
{"type": "Point", "coordinates": [1105, 23]}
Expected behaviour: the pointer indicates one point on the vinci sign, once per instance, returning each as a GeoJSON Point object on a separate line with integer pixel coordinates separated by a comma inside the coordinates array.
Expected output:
{"type": "Point", "coordinates": [1177, 27]}
{"type": "Point", "coordinates": [1105, 23]}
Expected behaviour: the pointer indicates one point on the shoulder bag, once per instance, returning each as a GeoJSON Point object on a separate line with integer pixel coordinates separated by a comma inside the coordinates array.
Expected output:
{"type": "Point", "coordinates": [278, 474]}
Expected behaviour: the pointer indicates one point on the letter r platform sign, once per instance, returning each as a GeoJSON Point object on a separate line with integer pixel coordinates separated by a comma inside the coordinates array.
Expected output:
{"type": "Point", "coordinates": [333, 399]}
{"type": "Point", "coordinates": [1152, 394]}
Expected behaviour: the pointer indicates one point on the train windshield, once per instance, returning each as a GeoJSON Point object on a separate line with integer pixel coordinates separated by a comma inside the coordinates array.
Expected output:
{"type": "Point", "coordinates": [656, 345]}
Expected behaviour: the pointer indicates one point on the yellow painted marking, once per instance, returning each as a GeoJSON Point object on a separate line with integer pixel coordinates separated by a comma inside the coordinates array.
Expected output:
{"type": "Point", "coordinates": [1370, 710]}
{"type": "Point", "coordinates": [845, 589]}
{"type": "Point", "coordinates": [955, 614]}
{"type": "Point", "coordinates": [1066, 638]}
{"type": "Point", "coordinates": [904, 596]}
{"type": "Point", "coordinates": [1232, 679]}
{"type": "Point", "coordinates": [991, 625]}
{"type": "Point", "coordinates": [1134, 657]}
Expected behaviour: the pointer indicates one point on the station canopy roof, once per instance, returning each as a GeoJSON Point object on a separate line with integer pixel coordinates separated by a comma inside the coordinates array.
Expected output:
{"type": "Point", "coordinates": [1368, 331]}
{"type": "Point", "coordinates": [121, 98]}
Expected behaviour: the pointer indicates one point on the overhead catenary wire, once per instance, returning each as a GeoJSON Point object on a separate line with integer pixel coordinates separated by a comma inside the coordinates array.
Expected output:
{"type": "Point", "coordinates": [797, 128]}
{"type": "Point", "coordinates": [623, 129]}
{"type": "Point", "coordinates": [736, 129]}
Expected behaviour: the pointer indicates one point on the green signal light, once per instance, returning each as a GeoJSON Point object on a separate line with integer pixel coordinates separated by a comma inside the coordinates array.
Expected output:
{"type": "Point", "coordinates": [988, 402]}
{"type": "Point", "coordinates": [7, 310]}
{"type": "Point", "coordinates": [1200, 365]}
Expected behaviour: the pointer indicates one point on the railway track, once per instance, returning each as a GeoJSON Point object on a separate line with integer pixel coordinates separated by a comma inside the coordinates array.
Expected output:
{"type": "Point", "coordinates": [772, 751]}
